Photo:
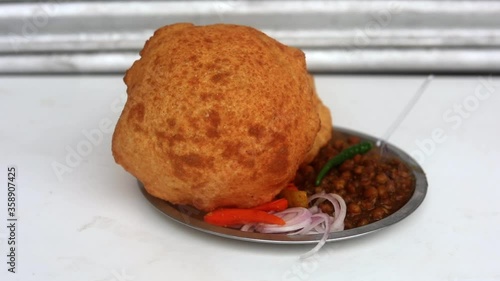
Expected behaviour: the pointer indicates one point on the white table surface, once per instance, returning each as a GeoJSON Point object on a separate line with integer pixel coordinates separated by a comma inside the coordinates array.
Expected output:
{"type": "Point", "coordinates": [92, 222]}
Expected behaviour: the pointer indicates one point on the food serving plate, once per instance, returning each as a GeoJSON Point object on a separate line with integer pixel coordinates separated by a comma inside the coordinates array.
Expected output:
{"type": "Point", "coordinates": [193, 218]}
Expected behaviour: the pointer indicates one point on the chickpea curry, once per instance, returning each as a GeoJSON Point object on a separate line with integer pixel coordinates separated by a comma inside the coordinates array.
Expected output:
{"type": "Point", "coordinates": [372, 185]}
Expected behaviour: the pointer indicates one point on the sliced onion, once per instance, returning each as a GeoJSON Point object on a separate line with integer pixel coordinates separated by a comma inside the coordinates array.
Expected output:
{"type": "Point", "coordinates": [302, 221]}
{"type": "Point", "coordinates": [249, 227]}
{"type": "Point", "coordinates": [295, 219]}
{"type": "Point", "coordinates": [339, 207]}
{"type": "Point", "coordinates": [323, 239]}
{"type": "Point", "coordinates": [338, 224]}
{"type": "Point", "coordinates": [284, 228]}
{"type": "Point", "coordinates": [314, 209]}
{"type": "Point", "coordinates": [316, 221]}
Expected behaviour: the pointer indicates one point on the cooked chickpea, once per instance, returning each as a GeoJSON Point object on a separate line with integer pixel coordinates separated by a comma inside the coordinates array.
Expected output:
{"type": "Point", "coordinates": [369, 169]}
{"type": "Point", "coordinates": [346, 175]}
{"type": "Point", "coordinates": [386, 202]}
{"type": "Point", "coordinates": [357, 158]}
{"type": "Point", "coordinates": [358, 170]}
{"type": "Point", "coordinates": [365, 181]}
{"type": "Point", "coordinates": [348, 224]}
{"type": "Point", "coordinates": [381, 178]}
{"type": "Point", "coordinates": [351, 188]}
{"type": "Point", "coordinates": [367, 205]}
{"type": "Point", "coordinates": [326, 207]}
{"type": "Point", "coordinates": [391, 187]}
{"type": "Point", "coordinates": [339, 184]}
{"type": "Point", "coordinates": [383, 191]}
{"type": "Point", "coordinates": [404, 174]}
{"type": "Point", "coordinates": [347, 165]}
{"type": "Point", "coordinates": [378, 213]}
{"type": "Point", "coordinates": [363, 222]}
{"type": "Point", "coordinates": [353, 140]}
{"type": "Point", "coordinates": [353, 208]}
{"type": "Point", "coordinates": [371, 192]}
{"type": "Point", "coordinates": [338, 144]}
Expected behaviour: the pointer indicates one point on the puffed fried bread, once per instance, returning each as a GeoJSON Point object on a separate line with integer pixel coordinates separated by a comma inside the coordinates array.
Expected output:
{"type": "Point", "coordinates": [216, 116]}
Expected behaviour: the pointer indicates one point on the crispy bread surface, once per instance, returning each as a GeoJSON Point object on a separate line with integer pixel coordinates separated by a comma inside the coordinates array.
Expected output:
{"type": "Point", "coordinates": [216, 116]}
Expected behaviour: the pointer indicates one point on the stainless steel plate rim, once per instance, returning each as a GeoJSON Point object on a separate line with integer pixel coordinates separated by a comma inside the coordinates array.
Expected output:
{"type": "Point", "coordinates": [193, 218]}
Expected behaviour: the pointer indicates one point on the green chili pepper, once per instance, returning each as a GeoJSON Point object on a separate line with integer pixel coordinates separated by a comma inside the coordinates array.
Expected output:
{"type": "Point", "coordinates": [360, 148]}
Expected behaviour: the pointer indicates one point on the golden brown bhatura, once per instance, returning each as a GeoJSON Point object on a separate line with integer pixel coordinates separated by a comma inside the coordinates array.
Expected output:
{"type": "Point", "coordinates": [216, 116]}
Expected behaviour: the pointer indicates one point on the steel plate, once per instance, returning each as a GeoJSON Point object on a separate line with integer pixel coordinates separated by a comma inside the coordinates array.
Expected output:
{"type": "Point", "coordinates": [193, 218]}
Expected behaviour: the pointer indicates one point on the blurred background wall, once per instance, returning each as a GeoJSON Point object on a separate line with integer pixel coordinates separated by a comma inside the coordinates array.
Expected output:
{"type": "Point", "coordinates": [337, 36]}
